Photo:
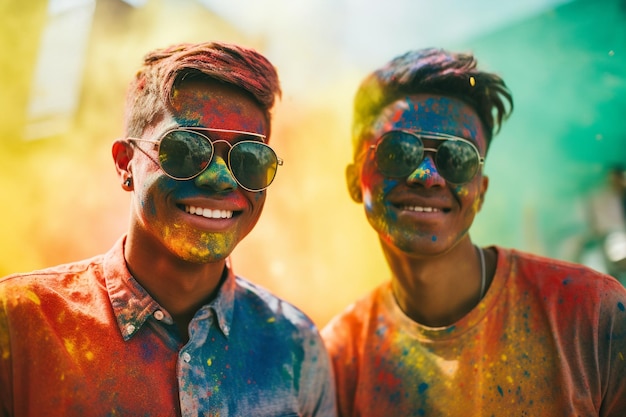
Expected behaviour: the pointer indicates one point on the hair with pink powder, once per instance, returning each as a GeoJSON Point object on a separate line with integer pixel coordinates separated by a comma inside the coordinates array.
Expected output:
{"type": "Point", "coordinates": [149, 93]}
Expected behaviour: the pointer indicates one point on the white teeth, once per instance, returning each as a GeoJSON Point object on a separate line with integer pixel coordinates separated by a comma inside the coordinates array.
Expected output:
{"type": "Point", "coordinates": [420, 209]}
{"type": "Point", "coordinates": [208, 213]}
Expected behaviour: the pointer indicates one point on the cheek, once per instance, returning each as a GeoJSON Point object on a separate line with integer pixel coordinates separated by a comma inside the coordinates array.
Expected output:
{"type": "Point", "coordinates": [151, 192]}
{"type": "Point", "coordinates": [375, 188]}
{"type": "Point", "coordinates": [257, 198]}
{"type": "Point", "coordinates": [476, 206]}
{"type": "Point", "coordinates": [461, 191]}
{"type": "Point", "coordinates": [469, 195]}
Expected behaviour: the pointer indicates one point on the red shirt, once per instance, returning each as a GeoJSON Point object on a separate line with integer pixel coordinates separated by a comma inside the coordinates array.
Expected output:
{"type": "Point", "coordinates": [548, 339]}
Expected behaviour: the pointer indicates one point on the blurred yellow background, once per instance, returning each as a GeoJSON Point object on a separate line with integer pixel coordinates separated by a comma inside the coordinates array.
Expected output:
{"type": "Point", "coordinates": [64, 70]}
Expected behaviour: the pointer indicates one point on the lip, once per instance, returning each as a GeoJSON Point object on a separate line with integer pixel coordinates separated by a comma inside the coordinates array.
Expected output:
{"type": "Point", "coordinates": [425, 214]}
{"type": "Point", "coordinates": [425, 205]}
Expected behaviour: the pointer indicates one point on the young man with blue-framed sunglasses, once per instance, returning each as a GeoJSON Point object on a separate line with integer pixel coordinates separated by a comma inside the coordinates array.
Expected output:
{"type": "Point", "coordinates": [460, 330]}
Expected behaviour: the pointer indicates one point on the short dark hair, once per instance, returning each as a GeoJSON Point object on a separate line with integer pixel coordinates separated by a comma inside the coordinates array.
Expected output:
{"type": "Point", "coordinates": [150, 92]}
{"type": "Point", "coordinates": [432, 71]}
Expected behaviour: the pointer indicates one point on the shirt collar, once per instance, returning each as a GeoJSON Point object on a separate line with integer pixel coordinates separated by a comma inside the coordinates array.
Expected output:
{"type": "Point", "coordinates": [132, 305]}
{"type": "Point", "coordinates": [224, 302]}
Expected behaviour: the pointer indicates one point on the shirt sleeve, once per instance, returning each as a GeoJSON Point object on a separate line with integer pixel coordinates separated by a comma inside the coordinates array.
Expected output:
{"type": "Point", "coordinates": [6, 387]}
{"type": "Point", "coordinates": [317, 385]}
{"type": "Point", "coordinates": [612, 345]}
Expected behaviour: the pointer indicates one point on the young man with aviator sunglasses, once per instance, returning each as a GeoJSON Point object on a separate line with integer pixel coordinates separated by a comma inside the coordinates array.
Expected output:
{"type": "Point", "coordinates": [461, 330]}
{"type": "Point", "coordinates": [160, 325]}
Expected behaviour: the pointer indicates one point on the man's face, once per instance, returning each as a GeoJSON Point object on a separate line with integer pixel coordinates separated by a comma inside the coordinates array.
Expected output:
{"type": "Point", "coordinates": [420, 214]}
{"type": "Point", "coordinates": [202, 219]}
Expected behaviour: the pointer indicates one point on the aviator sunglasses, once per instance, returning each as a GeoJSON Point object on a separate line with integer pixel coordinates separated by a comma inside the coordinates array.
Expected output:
{"type": "Point", "coordinates": [185, 153]}
{"type": "Point", "coordinates": [399, 153]}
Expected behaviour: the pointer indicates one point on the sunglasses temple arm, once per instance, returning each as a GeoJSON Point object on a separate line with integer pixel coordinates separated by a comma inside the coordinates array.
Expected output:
{"type": "Point", "coordinates": [145, 153]}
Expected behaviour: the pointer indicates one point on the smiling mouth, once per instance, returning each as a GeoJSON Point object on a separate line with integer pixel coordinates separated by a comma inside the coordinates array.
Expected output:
{"type": "Point", "coordinates": [422, 209]}
{"type": "Point", "coordinates": [208, 213]}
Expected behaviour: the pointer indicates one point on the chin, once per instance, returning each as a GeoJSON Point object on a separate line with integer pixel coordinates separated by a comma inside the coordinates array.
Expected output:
{"type": "Point", "coordinates": [419, 245]}
{"type": "Point", "coordinates": [212, 248]}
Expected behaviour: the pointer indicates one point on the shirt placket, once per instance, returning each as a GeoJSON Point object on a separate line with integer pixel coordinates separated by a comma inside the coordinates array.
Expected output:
{"type": "Point", "coordinates": [193, 381]}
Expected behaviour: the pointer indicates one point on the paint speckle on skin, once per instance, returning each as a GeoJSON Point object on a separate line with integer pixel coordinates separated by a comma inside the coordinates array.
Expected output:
{"type": "Point", "coordinates": [476, 206]}
{"type": "Point", "coordinates": [422, 172]}
{"type": "Point", "coordinates": [620, 305]}
{"type": "Point", "coordinates": [422, 387]}
{"type": "Point", "coordinates": [434, 238]}
{"type": "Point", "coordinates": [461, 191]}
{"type": "Point", "coordinates": [500, 391]}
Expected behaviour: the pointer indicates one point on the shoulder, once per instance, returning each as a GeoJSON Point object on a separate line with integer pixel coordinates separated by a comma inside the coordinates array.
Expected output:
{"type": "Point", "coordinates": [49, 291]}
{"type": "Point", "coordinates": [549, 268]}
{"type": "Point", "coordinates": [65, 279]}
{"type": "Point", "coordinates": [265, 307]}
{"type": "Point", "coordinates": [558, 279]}
{"type": "Point", "coordinates": [356, 318]}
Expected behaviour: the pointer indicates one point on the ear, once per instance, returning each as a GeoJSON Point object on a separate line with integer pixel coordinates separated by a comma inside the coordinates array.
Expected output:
{"type": "Point", "coordinates": [484, 185]}
{"type": "Point", "coordinates": [122, 155]}
{"type": "Point", "coordinates": [353, 179]}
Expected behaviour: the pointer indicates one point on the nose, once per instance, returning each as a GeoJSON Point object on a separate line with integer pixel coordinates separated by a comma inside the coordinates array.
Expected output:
{"type": "Point", "coordinates": [426, 174]}
{"type": "Point", "coordinates": [217, 176]}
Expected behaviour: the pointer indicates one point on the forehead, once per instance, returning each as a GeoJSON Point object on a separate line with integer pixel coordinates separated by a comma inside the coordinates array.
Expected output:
{"type": "Point", "coordinates": [431, 113]}
{"type": "Point", "coordinates": [214, 104]}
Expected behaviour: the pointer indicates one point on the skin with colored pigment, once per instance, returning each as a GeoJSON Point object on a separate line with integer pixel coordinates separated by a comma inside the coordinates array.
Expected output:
{"type": "Point", "coordinates": [384, 197]}
{"type": "Point", "coordinates": [159, 200]}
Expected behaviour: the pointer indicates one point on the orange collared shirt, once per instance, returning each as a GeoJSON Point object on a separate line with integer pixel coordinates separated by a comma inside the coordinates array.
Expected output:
{"type": "Point", "coordinates": [85, 339]}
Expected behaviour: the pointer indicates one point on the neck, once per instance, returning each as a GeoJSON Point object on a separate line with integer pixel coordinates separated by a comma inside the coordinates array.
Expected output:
{"type": "Point", "coordinates": [438, 290]}
{"type": "Point", "coordinates": [180, 287]}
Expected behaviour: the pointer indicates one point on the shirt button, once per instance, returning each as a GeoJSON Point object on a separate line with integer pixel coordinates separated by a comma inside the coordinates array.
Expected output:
{"type": "Point", "coordinates": [186, 357]}
{"type": "Point", "coordinates": [130, 328]}
{"type": "Point", "coordinates": [159, 315]}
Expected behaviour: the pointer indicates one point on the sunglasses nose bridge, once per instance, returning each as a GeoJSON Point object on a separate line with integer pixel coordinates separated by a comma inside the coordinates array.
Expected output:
{"type": "Point", "coordinates": [227, 149]}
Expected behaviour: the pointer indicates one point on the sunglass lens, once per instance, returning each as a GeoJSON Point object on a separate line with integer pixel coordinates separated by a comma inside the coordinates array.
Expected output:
{"type": "Point", "coordinates": [457, 161]}
{"type": "Point", "coordinates": [398, 153]}
{"type": "Point", "coordinates": [253, 164]}
{"type": "Point", "coordinates": [184, 154]}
